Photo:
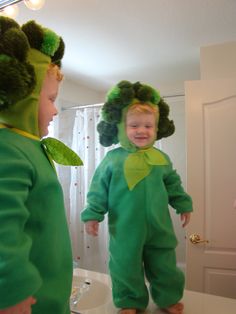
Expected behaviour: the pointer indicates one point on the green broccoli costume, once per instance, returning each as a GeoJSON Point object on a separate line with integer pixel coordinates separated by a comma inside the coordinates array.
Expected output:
{"type": "Point", "coordinates": [135, 186]}
{"type": "Point", "coordinates": [35, 248]}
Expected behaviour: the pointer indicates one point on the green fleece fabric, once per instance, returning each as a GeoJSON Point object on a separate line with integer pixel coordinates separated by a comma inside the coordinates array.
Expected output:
{"type": "Point", "coordinates": [24, 114]}
{"type": "Point", "coordinates": [139, 164]}
{"type": "Point", "coordinates": [35, 248]}
{"type": "Point", "coordinates": [140, 229]}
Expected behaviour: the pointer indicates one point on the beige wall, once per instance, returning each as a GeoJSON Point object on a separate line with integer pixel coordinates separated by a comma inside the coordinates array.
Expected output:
{"type": "Point", "coordinates": [76, 94]}
{"type": "Point", "coordinates": [218, 61]}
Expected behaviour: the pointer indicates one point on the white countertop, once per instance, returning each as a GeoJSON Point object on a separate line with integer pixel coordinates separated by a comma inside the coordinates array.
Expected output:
{"type": "Point", "coordinates": [194, 302]}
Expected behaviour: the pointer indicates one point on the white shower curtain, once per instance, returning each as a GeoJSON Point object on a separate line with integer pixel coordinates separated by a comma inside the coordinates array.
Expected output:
{"type": "Point", "coordinates": [88, 252]}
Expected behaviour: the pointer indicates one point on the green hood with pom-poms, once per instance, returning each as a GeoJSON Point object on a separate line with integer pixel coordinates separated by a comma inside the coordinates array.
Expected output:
{"type": "Point", "coordinates": [25, 53]}
{"type": "Point", "coordinates": [111, 128]}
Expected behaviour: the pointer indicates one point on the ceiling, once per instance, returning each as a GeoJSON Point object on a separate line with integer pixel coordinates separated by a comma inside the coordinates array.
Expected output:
{"type": "Point", "coordinates": [153, 41]}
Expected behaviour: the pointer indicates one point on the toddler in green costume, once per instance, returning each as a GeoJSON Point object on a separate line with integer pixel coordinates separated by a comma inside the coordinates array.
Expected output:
{"type": "Point", "coordinates": [134, 184]}
{"type": "Point", "coordinates": [35, 247]}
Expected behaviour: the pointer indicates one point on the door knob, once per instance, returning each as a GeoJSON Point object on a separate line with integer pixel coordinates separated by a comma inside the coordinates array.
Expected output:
{"type": "Point", "coordinates": [195, 239]}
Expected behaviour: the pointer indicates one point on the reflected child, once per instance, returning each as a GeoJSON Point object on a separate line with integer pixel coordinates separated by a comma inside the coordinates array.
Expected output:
{"type": "Point", "coordinates": [135, 184]}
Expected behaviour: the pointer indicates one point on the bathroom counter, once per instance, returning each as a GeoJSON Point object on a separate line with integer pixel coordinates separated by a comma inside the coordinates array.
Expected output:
{"type": "Point", "coordinates": [99, 299]}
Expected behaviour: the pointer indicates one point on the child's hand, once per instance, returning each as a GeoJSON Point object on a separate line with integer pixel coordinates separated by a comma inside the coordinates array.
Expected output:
{"type": "Point", "coordinates": [21, 308]}
{"type": "Point", "coordinates": [91, 228]}
{"type": "Point", "coordinates": [185, 218]}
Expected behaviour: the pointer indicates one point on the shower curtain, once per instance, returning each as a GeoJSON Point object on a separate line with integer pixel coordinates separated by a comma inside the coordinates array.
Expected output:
{"type": "Point", "coordinates": [88, 252]}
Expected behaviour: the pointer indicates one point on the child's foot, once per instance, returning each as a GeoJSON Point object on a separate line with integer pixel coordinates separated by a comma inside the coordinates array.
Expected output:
{"type": "Point", "coordinates": [175, 309]}
{"type": "Point", "coordinates": [127, 311]}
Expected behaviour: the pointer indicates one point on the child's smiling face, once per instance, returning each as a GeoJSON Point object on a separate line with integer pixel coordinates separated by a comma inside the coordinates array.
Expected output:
{"type": "Point", "coordinates": [141, 128]}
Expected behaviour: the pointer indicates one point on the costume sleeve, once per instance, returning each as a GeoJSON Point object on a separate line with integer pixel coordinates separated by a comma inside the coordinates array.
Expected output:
{"type": "Point", "coordinates": [19, 278]}
{"type": "Point", "coordinates": [97, 197]}
{"type": "Point", "coordinates": [178, 198]}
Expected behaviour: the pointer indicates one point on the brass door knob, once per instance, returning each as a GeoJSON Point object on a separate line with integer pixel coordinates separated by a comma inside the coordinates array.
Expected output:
{"type": "Point", "coordinates": [195, 239]}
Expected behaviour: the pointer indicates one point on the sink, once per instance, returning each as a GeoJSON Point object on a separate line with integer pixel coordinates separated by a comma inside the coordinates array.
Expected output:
{"type": "Point", "coordinates": [95, 297]}
{"type": "Point", "coordinates": [88, 293]}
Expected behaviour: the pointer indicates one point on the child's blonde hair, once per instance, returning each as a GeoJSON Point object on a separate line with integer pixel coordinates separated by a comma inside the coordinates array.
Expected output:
{"type": "Point", "coordinates": [55, 70]}
{"type": "Point", "coordinates": [143, 108]}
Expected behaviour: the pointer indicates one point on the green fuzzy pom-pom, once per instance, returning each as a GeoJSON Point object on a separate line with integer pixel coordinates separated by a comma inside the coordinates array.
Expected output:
{"type": "Point", "coordinates": [163, 108]}
{"type": "Point", "coordinates": [113, 93]}
{"type": "Point", "coordinates": [34, 33]}
{"type": "Point", "coordinates": [45, 40]}
{"type": "Point", "coordinates": [165, 128]}
{"type": "Point", "coordinates": [121, 96]}
{"type": "Point", "coordinates": [7, 23]}
{"type": "Point", "coordinates": [126, 95]}
{"type": "Point", "coordinates": [13, 41]}
{"type": "Point", "coordinates": [107, 133]}
{"type": "Point", "coordinates": [17, 80]}
{"type": "Point", "coordinates": [124, 84]}
{"type": "Point", "coordinates": [15, 44]}
{"type": "Point", "coordinates": [50, 42]}
{"type": "Point", "coordinates": [118, 97]}
{"type": "Point", "coordinates": [17, 77]}
{"type": "Point", "coordinates": [146, 93]}
{"type": "Point", "coordinates": [136, 87]}
{"type": "Point", "coordinates": [56, 58]}
{"type": "Point", "coordinates": [122, 93]}
{"type": "Point", "coordinates": [111, 112]}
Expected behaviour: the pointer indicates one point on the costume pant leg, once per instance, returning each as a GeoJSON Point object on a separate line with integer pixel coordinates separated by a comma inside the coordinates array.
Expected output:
{"type": "Point", "coordinates": [165, 278]}
{"type": "Point", "coordinates": [127, 273]}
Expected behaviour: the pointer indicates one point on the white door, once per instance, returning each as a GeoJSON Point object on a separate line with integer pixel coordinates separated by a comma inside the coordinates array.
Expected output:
{"type": "Point", "coordinates": [211, 181]}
